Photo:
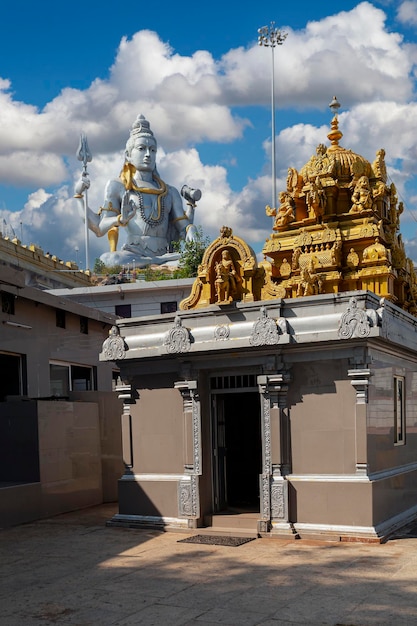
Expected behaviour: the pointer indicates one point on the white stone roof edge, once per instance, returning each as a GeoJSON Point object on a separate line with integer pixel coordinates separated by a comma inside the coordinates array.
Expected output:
{"type": "Point", "coordinates": [329, 317]}
{"type": "Point", "coordinates": [139, 285]}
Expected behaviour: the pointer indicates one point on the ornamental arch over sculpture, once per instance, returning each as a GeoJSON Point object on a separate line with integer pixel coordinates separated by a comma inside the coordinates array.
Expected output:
{"type": "Point", "coordinates": [228, 273]}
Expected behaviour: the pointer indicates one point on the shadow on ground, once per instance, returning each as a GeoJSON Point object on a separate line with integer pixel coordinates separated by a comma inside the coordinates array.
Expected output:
{"type": "Point", "coordinates": [73, 570]}
{"type": "Point", "coordinates": [407, 532]}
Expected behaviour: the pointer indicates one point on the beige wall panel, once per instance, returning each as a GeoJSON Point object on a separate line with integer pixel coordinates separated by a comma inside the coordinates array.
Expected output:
{"type": "Point", "coordinates": [157, 425]}
{"type": "Point", "coordinates": [347, 504]}
{"type": "Point", "coordinates": [20, 504]}
{"type": "Point", "coordinates": [394, 495]}
{"type": "Point", "coordinates": [322, 411]}
{"type": "Point", "coordinates": [149, 498]}
{"type": "Point", "coordinates": [69, 451]}
{"type": "Point", "coordinates": [110, 411]}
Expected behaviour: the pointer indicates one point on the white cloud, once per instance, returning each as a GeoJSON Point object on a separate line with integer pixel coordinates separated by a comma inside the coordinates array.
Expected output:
{"type": "Point", "coordinates": [31, 168]}
{"type": "Point", "coordinates": [188, 98]}
{"type": "Point", "coordinates": [351, 54]}
{"type": "Point", "coordinates": [194, 99]}
{"type": "Point", "coordinates": [407, 12]}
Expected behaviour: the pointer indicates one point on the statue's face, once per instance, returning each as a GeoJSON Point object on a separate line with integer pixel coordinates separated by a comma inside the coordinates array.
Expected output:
{"type": "Point", "coordinates": [143, 154]}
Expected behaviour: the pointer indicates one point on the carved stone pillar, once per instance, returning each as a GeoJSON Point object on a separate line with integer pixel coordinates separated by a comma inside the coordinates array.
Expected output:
{"type": "Point", "coordinates": [275, 453]}
{"type": "Point", "coordinates": [188, 486]}
{"type": "Point", "coordinates": [360, 381]}
{"type": "Point", "coordinates": [125, 393]}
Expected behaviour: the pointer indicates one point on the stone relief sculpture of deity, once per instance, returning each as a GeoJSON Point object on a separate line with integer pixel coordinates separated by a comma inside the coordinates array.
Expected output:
{"type": "Point", "coordinates": [316, 198]}
{"type": "Point", "coordinates": [226, 278]}
{"type": "Point", "coordinates": [310, 283]}
{"type": "Point", "coordinates": [294, 182]}
{"type": "Point", "coordinates": [362, 199]}
{"type": "Point", "coordinates": [285, 213]}
{"type": "Point", "coordinates": [139, 201]}
{"type": "Point", "coordinates": [319, 165]}
{"type": "Point", "coordinates": [378, 166]}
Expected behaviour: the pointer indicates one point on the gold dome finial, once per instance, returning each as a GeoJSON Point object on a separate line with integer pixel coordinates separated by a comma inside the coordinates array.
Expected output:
{"type": "Point", "coordinates": [334, 105]}
{"type": "Point", "coordinates": [335, 134]}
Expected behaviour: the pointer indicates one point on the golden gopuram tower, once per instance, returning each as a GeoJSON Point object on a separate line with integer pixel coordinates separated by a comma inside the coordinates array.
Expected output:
{"type": "Point", "coordinates": [336, 229]}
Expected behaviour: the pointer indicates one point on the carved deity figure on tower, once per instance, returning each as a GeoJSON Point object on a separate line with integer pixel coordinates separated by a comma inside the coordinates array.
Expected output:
{"type": "Point", "coordinates": [285, 213]}
{"type": "Point", "coordinates": [378, 166]}
{"type": "Point", "coordinates": [226, 278]}
{"type": "Point", "coordinates": [321, 164]}
{"type": "Point", "coordinates": [150, 210]}
{"type": "Point", "coordinates": [316, 198]}
{"type": "Point", "coordinates": [362, 199]}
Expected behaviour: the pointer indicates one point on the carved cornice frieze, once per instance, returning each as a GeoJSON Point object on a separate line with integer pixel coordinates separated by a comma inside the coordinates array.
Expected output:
{"type": "Point", "coordinates": [354, 322]}
{"type": "Point", "coordinates": [178, 339]}
{"type": "Point", "coordinates": [222, 332]}
{"type": "Point", "coordinates": [114, 347]}
{"type": "Point", "coordinates": [357, 322]}
{"type": "Point", "coordinates": [265, 330]}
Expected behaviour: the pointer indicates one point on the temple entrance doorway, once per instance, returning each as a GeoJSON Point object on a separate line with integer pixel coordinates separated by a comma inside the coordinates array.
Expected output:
{"type": "Point", "coordinates": [237, 449]}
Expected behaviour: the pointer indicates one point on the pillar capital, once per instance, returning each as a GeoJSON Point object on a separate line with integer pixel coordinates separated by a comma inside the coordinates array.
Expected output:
{"type": "Point", "coordinates": [360, 381]}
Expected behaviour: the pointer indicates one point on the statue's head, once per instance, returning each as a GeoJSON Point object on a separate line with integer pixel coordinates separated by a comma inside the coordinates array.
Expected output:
{"type": "Point", "coordinates": [141, 129]}
{"type": "Point", "coordinates": [141, 140]}
{"type": "Point", "coordinates": [363, 182]}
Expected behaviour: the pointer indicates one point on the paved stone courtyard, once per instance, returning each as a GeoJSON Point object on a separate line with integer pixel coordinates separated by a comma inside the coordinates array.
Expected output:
{"type": "Point", "coordinates": [73, 570]}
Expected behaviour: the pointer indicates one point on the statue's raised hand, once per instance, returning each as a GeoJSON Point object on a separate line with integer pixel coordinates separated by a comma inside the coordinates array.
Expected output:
{"type": "Point", "coordinates": [128, 210]}
{"type": "Point", "coordinates": [191, 233]}
{"type": "Point", "coordinates": [82, 185]}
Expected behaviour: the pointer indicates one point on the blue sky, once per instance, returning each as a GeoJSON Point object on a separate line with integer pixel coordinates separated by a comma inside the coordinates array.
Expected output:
{"type": "Point", "coordinates": [196, 72]}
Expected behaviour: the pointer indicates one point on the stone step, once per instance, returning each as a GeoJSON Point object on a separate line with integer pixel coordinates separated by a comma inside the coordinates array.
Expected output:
{"type": "Point", "coordinates": [236, 521]}
{"type": "Point", "coordinates": [227, 532]}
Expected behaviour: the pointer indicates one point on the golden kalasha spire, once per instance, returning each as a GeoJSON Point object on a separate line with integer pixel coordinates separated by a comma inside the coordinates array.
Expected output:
{"type": "Point", "coordinates": [335, 134]}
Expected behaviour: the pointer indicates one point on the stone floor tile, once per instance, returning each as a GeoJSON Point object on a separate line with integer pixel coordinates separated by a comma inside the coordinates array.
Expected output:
{"type": "Point", "coordinates": [158, 615]}
{"type": "Point", "coordinates": [231, 616]}
{"type": "Point", "coordinates": [72, 570]}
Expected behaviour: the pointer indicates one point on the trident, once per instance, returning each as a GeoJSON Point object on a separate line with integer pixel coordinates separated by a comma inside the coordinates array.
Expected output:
{"type": "Point", "coordinates": [84, 155]}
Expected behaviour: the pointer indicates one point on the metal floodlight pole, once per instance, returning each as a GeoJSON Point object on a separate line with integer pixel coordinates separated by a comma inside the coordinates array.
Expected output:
{"type": "Point", "coordinates": [269, 36]}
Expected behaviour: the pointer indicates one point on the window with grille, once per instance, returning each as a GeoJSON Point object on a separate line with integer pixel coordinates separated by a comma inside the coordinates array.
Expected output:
{"type": "Point", "coordinates": [238, 381]}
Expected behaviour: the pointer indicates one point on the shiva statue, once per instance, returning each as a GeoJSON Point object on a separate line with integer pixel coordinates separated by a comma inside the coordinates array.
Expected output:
{"type": "Point", "coordinates": [150, 211]}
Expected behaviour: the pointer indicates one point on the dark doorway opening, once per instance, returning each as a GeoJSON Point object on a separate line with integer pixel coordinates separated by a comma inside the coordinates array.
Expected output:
{"type": "Point", "coordinates": [238, 455]}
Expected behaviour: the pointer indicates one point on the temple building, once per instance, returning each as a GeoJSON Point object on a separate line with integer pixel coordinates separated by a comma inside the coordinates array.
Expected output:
{"type": "Point", "coordinates": [281, 397]}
